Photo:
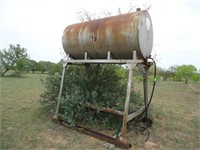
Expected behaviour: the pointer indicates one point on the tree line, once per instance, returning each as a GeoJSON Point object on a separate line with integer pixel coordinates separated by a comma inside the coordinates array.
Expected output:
{"type": "Point", "coordinates": [15, 61]}
{"type": "Point", "coordinates": [180, 73]}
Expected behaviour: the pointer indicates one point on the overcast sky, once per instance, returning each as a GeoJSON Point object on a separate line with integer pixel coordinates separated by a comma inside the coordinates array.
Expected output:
{"type": "Point", "coordinates": [38, 26]}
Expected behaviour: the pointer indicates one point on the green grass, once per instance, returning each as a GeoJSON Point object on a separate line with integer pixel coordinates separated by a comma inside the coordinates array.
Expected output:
{"type": "Point", "coordinates": [20, 111]}
{"type": "Point", "coordinates": [26, 125]}
{"type": "Point", "coordinates": [175, 111]}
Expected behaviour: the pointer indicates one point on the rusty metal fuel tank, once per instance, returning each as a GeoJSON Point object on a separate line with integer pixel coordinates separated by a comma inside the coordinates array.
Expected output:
{"type": "Point", "coordinates": [118, 34]}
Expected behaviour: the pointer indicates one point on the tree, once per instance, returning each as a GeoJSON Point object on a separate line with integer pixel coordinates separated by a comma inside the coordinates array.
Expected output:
{"type": "Point", "coordinates": [48, 66]}
{"type": "Point", "coordinates": [14, 58]}
{"type": "Point", "coordinates": [185, 72]}
{"type": "Point", "coordinates": [84, 15]}
{"type": "Point", "coordinates": [195, 77]}
{"type": "Point", "coordinates": [32, 65]}
{"type": "Point", "coordinates": [172, 70]}
{"type": "Point", "coordinates": [42, 66]}
{"type": "Point", "coordinates": [165, 74]}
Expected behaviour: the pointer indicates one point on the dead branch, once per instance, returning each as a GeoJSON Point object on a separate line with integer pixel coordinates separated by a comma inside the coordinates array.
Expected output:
{"type": "Point", "coordinates": [84, 15]}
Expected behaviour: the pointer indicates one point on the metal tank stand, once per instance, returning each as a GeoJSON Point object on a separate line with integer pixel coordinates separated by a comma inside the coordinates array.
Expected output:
{"type": "Point", "coordinates": [120, 139]}
{"type": "Point", "coordinates": [144, 68]}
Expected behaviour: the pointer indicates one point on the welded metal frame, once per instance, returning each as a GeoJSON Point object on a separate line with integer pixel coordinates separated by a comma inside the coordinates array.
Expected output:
{"type": "Point", "coordinates": [131, 63]}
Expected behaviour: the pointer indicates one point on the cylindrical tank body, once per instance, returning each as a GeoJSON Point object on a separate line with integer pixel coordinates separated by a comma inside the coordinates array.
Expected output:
{"type": "Point", "coordinates": [118, 34]}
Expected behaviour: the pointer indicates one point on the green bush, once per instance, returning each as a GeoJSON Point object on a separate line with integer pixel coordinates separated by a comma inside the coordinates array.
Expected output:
{"type": "Point", "coordinates": [100, 85]}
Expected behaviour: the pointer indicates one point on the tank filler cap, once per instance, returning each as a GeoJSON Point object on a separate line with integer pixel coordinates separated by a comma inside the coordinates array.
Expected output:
{"type": "Point", "coordinates": [138, 9]}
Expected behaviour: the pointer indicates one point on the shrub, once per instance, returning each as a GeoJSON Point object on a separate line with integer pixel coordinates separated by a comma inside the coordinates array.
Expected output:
{"type": "Point", "coordinates": [100, 85]}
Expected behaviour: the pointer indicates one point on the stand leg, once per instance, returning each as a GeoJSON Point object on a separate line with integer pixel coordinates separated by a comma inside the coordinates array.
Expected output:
{"type": "Point", "coordinates": [61, 89]}
{"type": "Point", "coordinates": [145, 87]}
{"type": "Point", "coordinates": [128, 93]}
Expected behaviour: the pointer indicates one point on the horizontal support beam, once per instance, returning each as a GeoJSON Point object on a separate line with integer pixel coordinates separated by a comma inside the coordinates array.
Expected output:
{"type": "Point", "coordinates": [117, 112]}
{"type": "Point", "coordinates": [135, 114]}
{"type": "Point", "coordinates": [104, 61]}
{"type": "Point", "coordinates": [122, 143]}
{"type": "Point", "coordinates": [106, 109]}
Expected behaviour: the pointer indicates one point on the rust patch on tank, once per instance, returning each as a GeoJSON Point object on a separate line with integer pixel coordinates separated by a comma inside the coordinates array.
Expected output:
{"type": "Point", "coordinates": [94, 28]}
{"type": "Point", "coordinates": [118, 34]}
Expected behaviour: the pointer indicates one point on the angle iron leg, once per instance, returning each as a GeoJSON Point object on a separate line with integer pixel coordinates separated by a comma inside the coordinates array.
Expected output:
{"type": "Point", "coordinates": [60, 92]}
{"type": "Point", "coordinates": [128, 93]}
